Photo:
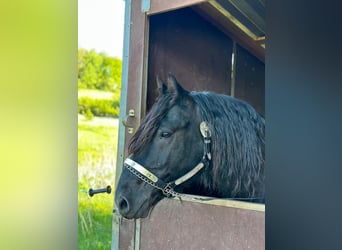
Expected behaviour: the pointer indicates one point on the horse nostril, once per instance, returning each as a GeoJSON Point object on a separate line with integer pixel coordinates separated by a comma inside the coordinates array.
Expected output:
{"type": "Point", "coordinates": [123, 204]}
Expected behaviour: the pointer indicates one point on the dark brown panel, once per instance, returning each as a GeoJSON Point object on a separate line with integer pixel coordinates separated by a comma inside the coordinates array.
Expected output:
{"type": "Point", "coordinates": [195, 51]}
{"type": "Point", "coordinates": [137, 52]}
{"type": "Point", "coordinates": [250, 79]}
{"type": "Point", "coordinates": [126, 239]}
{"type": "Point", "coordinates": [135, 95]}
{"type": "Point", "coordinates": [188, 225]}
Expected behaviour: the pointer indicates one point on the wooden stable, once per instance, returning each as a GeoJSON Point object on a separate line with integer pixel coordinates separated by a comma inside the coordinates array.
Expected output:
{"type": "Point", "coordinates": [215, 224]}
{"type": "Point", "coordinates": [208, 45]}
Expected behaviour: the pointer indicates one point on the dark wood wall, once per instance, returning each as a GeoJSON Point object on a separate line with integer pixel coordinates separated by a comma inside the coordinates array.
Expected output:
{"type": "Point", "coordinates": [197, 53]}
{"type": "Point", "coordinates": [200, 57]}
{"type": "Point", "coordinates": [250, 79]}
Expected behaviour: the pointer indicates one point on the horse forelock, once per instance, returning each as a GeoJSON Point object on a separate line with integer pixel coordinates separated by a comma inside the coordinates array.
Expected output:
{"type": "Point", "coordinates": [150, 123]}
{"type": "Point", "coordinates": [237, 144]}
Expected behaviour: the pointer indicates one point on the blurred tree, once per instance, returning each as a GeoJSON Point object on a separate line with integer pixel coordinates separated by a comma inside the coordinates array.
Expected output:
{"type": "Point", "coordinates": [98, 71]}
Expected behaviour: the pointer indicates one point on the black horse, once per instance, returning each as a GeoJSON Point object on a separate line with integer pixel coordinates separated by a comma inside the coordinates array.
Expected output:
{"type": "Point", "coordinates": [199, 143]}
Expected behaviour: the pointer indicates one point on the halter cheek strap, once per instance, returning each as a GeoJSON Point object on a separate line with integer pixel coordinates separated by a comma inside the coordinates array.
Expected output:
{"type": "Point", "coordinates": [167, 188]}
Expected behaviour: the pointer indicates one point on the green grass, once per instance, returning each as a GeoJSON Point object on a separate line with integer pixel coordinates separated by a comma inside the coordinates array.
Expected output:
{"type": "Point", "coordinates": [97, 141]}
{"type": "Point", "coordinates": [95, 221]}
{"type": "Point", "coordinates": [97, 147]}
{"type": "Point", "coordinates": [95, 94]}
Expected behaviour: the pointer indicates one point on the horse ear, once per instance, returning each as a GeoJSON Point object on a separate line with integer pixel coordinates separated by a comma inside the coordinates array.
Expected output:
{"type": "Point", "coordinates": [161, 86]}
{"type": "Point", "coordinates": [174, 86]}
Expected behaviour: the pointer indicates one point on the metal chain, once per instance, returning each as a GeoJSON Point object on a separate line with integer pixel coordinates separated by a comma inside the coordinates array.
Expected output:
{"type": "Point", "coordinates": [168, 191]}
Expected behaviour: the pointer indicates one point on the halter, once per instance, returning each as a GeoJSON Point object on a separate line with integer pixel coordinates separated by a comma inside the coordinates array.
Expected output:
{"type": "Point", "coordinates": [168, 187]}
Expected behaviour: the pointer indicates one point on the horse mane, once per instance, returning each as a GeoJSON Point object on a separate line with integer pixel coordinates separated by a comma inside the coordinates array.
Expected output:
{"type": "Point", "coordinates": [238, 146]}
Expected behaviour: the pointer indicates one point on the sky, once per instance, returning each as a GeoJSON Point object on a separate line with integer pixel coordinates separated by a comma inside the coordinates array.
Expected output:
{"type": "Point", "coordinates": [101, 26]}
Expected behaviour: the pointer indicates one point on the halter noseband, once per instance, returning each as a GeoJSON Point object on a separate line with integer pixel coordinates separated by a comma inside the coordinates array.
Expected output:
{"type": "Point", "coordinates": [168, 188]}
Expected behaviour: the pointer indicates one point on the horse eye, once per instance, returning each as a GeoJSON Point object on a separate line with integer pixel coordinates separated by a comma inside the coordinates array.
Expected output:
{"type": "Point", "coordinates": [165, 134]}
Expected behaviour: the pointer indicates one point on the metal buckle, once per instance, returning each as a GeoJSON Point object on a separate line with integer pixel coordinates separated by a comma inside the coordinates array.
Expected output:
{"type": "Point", "coordinates": [205, 131]}
{"type": "Point", "coordinates": [167, 189]}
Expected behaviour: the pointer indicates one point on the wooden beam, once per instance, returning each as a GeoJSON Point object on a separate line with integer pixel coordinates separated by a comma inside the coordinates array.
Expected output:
{"type": "Point", "coordinates": [160, 6]}
{"type": "Point", "coordinates": [260, 39]}
{"type": "Point", "coordinates": [224, 21]}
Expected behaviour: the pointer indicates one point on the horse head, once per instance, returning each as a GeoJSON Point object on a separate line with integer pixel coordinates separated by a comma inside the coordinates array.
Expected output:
{"type": "Point", "coordinates": [166, 146]}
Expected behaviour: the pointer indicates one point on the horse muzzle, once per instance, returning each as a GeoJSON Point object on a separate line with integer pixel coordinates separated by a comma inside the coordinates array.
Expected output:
{"type": "Point", "coordinates": [134, 200]}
